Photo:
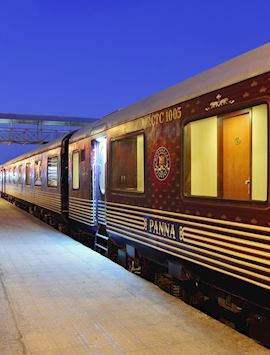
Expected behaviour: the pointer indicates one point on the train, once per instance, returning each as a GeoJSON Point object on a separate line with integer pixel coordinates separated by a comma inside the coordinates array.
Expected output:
{"type": "Point", "coordinates": [174, 187]}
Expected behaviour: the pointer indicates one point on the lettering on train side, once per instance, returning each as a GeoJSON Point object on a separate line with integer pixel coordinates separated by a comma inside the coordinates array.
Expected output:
{"type": "Point", "coordinates": [162, 117]}
{"type": "Point", "coordinates": [160, 228]}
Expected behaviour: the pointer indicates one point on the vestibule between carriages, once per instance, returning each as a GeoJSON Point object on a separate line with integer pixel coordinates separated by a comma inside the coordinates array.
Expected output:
{"type": "Point", "coordinates": [226, 156]}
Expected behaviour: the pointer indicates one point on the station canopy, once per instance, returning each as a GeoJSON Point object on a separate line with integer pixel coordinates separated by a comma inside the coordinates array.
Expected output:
{"type": "Point", "coordinates": [37, 129]}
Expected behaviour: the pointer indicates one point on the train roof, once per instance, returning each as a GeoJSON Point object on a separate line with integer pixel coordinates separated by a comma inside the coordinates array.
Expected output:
{"type": "Point", "coordinates": [245, 66]}
{"type": "Point", "coordinates": [44, 148]}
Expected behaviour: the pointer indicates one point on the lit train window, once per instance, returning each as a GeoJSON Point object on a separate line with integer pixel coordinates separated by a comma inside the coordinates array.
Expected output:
{"type": "Point", "coordinates": [127, 164]}
{"type": "Point", "coordinates": [226, 156]}
{"type": "Point", "coordinates": [52, 172]}
{"type": "Point", "coordinates": [28, 174]}
{"type": "Point", "coordinates": [20, 174]}
{"type": "Point", "coordinates": [14, 175]}
{"type": "Point", "coordinates": [75, 170]}
{"type": "Point", "coordinates": [38, 164]}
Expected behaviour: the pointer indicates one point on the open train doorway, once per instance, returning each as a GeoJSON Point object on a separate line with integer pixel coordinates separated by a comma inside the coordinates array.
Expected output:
{"type": "Point", "coordinates": [99, 194]}
{"type": "Point", "coordinates": [99, 181]}
{"type": "Point", "coordinates": [2, 180]}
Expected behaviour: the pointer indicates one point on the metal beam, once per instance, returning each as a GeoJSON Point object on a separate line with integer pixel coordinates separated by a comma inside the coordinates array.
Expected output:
{"type": "Point", "coordinates": [30, 136]}
{"type": "Point", "coordinates": [37, 129]}
{"type": "Point", "coordinates": [7, 118]}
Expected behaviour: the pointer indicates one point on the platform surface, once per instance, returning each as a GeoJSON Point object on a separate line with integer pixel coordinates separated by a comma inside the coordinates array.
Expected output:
{"type": "Point", "coordinates": [59, 297]}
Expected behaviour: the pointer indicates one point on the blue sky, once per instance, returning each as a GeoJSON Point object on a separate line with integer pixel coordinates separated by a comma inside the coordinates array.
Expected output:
{"type": "Point", "coordinates": [88, 58]}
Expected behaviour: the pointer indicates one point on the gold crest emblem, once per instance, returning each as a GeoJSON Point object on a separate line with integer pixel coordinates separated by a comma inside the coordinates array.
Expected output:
{"type": "Point", "coordinates": [162, 163]}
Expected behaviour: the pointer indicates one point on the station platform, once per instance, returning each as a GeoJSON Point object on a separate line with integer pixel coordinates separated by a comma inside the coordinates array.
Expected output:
{"type": "Point", "coordinates": [59, 297]}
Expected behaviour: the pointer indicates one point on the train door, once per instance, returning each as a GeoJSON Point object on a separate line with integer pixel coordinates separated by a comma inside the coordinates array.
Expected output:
{"type": "Point", "coordinates": [99, 147]}
{"type": "Point", "coordinates": [99, 179]}
{"type": "Point", "coordinates": [237, 157]}
{"type": "Point", "coordinates": [1, 180]}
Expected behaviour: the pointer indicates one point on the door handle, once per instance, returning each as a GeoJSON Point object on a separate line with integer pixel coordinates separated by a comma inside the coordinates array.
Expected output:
{"type": "Point", "coordinates": [247, 182]}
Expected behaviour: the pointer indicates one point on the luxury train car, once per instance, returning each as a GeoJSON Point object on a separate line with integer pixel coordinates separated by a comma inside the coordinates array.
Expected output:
{"type": "Point", "coordinates": [175, 185]}
{"type": "Point", "coordinates": [39, 179]}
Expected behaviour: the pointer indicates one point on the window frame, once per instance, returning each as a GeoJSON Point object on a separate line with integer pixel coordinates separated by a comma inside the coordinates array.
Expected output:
{"type": "Point", "coordinates": [20, 174]}
{"type": "Point", "coordinates": [51, 157]}
{"type": "Point", "coordinates": [14, 169]}
{"type": "Point", "coordinates": [79, 163]}
{"type": "Point", "coordinates": [82, 155]}
{"type": "Point", "coordinates": [225, 113]}
{"type": "Point", "coordinates": [120, 191]}
{"type": "Point", "coordinates": [28, 166]}
{"type": "Point", "coordinates": [35, 181]}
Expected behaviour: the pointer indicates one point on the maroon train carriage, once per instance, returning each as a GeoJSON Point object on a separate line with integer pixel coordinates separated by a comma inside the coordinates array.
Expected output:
{"type": "Point", "coordinates": [38, 181]}
{"type": "Point", "coordinates": [190, 179]}
{"type": "Point", "coordinates": [186, 183]}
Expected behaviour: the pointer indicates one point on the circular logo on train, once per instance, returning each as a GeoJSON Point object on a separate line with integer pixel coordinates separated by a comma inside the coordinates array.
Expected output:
{"type": "Point", "coordinates": [162, 163]}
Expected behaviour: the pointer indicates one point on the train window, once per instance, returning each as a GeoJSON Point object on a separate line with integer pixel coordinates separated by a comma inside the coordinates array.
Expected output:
{"type": "Point", "coordinates": [52, 172]}
{"type": "Point", "coordinates": [75, 170]}
{"type": "Point", "coordinates": [28, 174]}
{"type": "Point", "coordinates": [127, 161]}
{"type": "Point", "coordinates": [38, 164]}
{"type": "Point", "coordinates": [14, 174]}
{"type": "Point", "coordinates": [83, 155]}
{"type": "Point", "coordinates": [226, 156]}
{"type": "Point", "coordinates": [20, 174]}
